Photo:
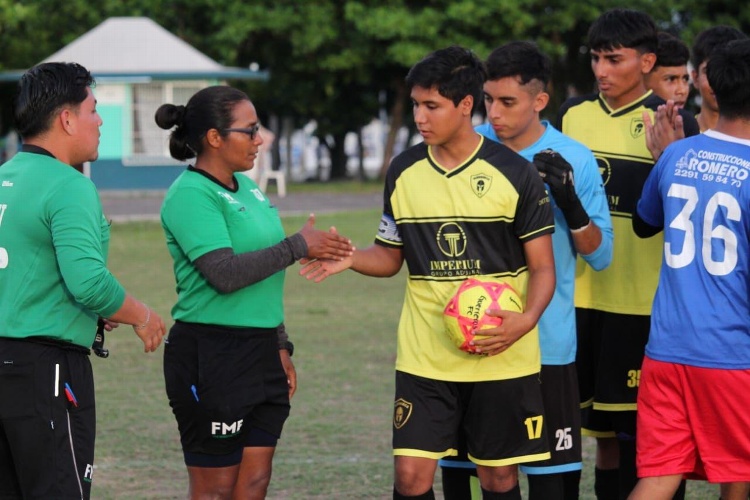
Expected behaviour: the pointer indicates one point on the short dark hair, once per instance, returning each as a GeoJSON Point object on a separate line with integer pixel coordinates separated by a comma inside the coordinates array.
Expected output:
{"type": "Point", "coordinates": [623, 28]}
{"type": "Point", "coordinates": [209, 108]}
{"type": "Point", "coordinates": [728, 72]}
{"type": "Point", "coordinates": [711, 38]}
{"type": "Point", "coordinates": [455, 71]}
{"type": "Point", "coordinates": [671, 51]}
{"type": "Point", "coordinates": [43, 91]}
{"type": "Point", "coordinates": [521, 59]}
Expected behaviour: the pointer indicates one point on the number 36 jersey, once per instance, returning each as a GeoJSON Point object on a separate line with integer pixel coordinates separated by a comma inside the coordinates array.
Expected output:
{"type": "Point", "coordinates": [699, 192]}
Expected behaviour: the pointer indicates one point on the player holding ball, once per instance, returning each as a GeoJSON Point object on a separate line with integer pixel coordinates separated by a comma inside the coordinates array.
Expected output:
{"type": "Point", "coordinates": [456, 206]}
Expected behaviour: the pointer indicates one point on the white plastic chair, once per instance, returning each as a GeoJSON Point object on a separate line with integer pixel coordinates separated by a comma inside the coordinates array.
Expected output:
{"type": "Point", "coordinates": [277, 175]}
{"type": "Point", "coordinates": [263, 172]}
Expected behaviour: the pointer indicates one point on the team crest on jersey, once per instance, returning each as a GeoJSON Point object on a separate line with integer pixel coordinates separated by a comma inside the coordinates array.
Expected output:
{"type": "Point", "coordinates": [451, 239]}
{"type": "Point", "coordinates": [401, 413]}
{"type": "Point", "coordinates": [258, 194]}
{"type": "Point", "coordinates": [480, 184]}
{"type": "Point", "coordinates": [637, 127]}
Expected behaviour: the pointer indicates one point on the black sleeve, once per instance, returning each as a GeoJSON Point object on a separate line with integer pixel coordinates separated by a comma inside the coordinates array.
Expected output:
{"type": "Point", "coordinates": [643, 229]}
{"type": "Point", "coordinates": [229, 272]}
{"type": "Point", "coordinates": [689, 124]}
{"type": "Point", "coordinates": [284, 342]}
{"type": "Point", "coordinates": [282, 334]}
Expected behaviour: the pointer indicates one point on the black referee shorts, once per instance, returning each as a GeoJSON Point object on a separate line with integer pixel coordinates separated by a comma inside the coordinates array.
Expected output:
{"type": "Point", "coordinates": [227, 389]}
{"type": "Point", "coordinates": [47, 421]}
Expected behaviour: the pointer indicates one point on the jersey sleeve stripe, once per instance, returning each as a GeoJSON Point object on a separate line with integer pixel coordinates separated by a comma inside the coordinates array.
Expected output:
{"type": "Point", "coordinates": [539, 232]}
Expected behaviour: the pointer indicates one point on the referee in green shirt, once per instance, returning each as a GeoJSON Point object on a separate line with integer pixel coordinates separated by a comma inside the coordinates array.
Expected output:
{"type": "Point", "coordinates": [54, 285]}
{"type": "Point", "coordinates": [227, 361]}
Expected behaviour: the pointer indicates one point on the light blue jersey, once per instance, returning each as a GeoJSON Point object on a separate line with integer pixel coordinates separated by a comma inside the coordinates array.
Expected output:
{"type": "Point", "coordinates": [557, 326]}
{"type": "Point", "coordinates": [699, 192]}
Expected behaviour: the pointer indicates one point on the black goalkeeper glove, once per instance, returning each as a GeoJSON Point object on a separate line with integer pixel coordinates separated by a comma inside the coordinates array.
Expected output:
{"type": "Point", "coordinates": [558, 174]}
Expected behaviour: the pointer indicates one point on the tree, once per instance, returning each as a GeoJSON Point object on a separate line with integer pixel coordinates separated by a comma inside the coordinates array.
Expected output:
{"type": "Point", "coordinates": [31, 31]}
{"type": "Point", "coordinates": [331, 60]}
{"type": "Point", "coordinates": [404, 31]}
{"type": "Point", "coordinates": [320, 66]}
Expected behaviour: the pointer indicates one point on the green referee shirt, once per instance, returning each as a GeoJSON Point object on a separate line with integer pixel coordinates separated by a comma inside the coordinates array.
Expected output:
{"type": "Point", "coordinates": [53, 250]}
{"type": "Point", "coordinates": [200, 215]}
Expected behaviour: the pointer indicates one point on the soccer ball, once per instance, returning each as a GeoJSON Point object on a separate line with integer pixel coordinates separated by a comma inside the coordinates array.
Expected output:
{"type": "Point", "coordinates": [466, 309]}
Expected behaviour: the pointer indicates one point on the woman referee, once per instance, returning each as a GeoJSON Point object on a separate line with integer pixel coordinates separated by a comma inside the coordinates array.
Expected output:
{"type": "Point", "coordinates": [227, 366]}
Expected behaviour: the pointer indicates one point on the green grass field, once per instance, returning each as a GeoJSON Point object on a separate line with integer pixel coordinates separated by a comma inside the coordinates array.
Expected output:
{"type": "Point", "coordinates": [336, 444]}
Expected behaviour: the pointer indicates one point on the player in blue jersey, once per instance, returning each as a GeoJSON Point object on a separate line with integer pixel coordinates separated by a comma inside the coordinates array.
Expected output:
{"type": "Point", "coordinates": [696, 373]}
{"type": "Point", "coordinates": [514, 95]}
{"type": "Point", "coordinates": [613, 306]}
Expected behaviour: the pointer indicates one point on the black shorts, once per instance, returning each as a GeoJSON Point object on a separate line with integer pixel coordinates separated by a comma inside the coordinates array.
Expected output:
{"type": "Point", "coordinates": [502, 420]}
{"type": "Point", "coordinates": [609, 357]}
{"type": "Point", "coordinates": [563, 420]}
{"type": "Point", "coordinates": [227, 389]}
{"type": "Point", "coordinates": [47, 421]}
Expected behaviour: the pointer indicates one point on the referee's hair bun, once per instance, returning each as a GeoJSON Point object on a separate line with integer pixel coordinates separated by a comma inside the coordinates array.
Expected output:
{"type": "Point", "coordinates": [169, 115]}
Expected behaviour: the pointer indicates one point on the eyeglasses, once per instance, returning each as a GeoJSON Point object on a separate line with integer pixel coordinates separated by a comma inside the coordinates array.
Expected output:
{"type": "Point", "coordinates": [252, 131]}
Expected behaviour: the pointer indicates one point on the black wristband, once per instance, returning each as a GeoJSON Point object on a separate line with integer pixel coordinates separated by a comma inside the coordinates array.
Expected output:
{"type": "Point", "coordinates": [576, 216]}
{"type": "Point", "coordinates": [288, 346]}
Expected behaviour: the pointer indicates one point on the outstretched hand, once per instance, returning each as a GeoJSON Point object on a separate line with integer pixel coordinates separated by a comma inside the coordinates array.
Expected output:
{"type": "Point", "coordinates": [325, 245]}
{"type": "Point", "coordinates": [666, 128]}
{"type": "Point", "coordinates": [318, 270]}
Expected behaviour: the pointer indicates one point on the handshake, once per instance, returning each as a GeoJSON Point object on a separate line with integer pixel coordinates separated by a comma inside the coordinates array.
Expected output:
{"type": "Point", "coordinates": [557, 173]}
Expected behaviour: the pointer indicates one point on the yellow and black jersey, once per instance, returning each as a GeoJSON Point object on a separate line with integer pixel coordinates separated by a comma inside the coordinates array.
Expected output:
{"type": "Point", "coordinates": [453, 224]}
{"type": "Point", "coordinates": [617, 139]}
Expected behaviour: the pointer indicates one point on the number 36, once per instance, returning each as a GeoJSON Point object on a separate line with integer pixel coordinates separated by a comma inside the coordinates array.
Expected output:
{"type": "Point", "coordinates": [682, 222]}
